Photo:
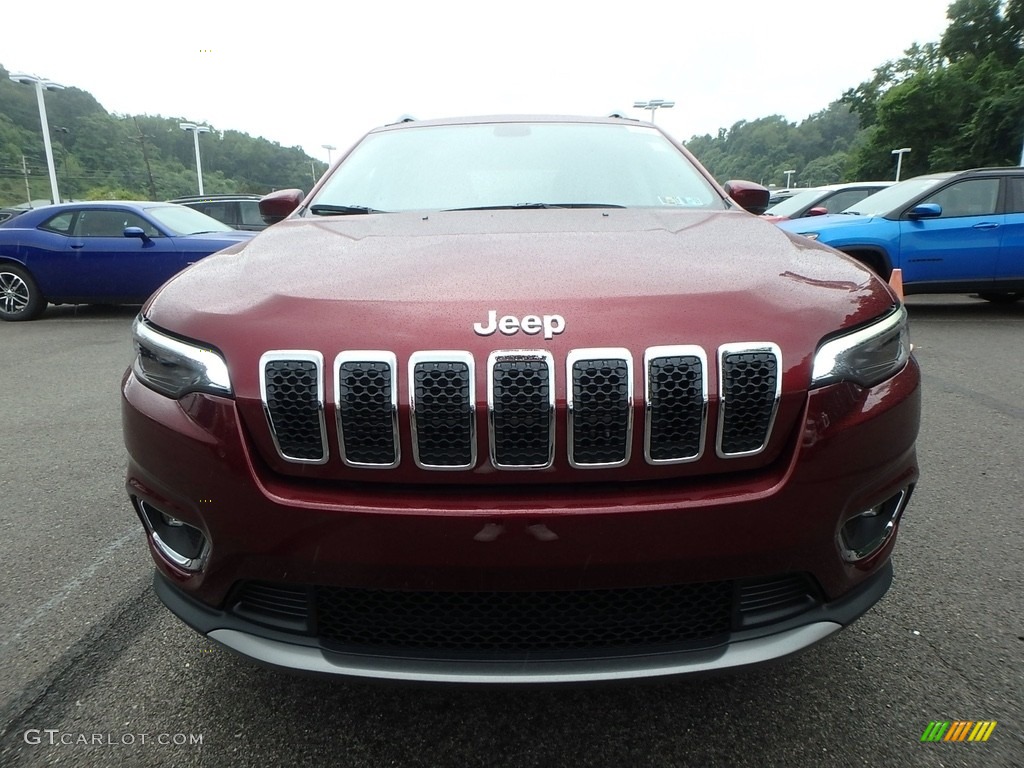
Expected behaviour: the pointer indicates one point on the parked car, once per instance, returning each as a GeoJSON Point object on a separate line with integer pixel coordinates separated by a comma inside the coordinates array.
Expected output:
{"type": "Point", "coordinates": [948, 232]}
{"type": "Point", "coordinates": [11, 211]}
{"type": "Point", "coordinates": [100, 253]}
{"type": "Point", "coordinates": [821, 201]}
{"type": "Point", "coordinates": [778, 195]}
{"type": "Point", "coordinates": [237, 211]}
{"type": "Point", "coordinates": [521, 400]}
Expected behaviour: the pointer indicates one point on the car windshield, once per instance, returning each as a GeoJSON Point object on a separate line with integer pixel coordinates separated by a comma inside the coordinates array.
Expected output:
{"type": "Point", "coordinates": [514, 164]}
{"type": "Point", "coordinates": [894, 197]}
{"type": "Point", "coordinates": [180, 220]}
{"type": "Point", "coordinates": [791, 205]}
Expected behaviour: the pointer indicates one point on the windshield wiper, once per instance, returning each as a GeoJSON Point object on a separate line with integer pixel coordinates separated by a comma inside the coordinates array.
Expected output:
{"type": "Point", "coordinates": [340, 210]}
{"type": "Point", "coordinates": [535, 205]}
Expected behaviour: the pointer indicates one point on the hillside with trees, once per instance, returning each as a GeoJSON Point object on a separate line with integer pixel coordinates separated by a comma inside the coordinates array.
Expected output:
{"type": "Point", "coordinates": [99, 155]}
{"type": "Point", "coordinates": [958, 103]}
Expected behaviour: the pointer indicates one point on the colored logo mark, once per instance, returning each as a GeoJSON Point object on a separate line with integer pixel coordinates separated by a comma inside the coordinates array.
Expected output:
{"type": "Point", "coordinates": [958, 730]}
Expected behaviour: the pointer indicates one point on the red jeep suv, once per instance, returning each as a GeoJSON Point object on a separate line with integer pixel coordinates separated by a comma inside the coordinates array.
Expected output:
{"type": "Point", "coordinates": [517, 400]}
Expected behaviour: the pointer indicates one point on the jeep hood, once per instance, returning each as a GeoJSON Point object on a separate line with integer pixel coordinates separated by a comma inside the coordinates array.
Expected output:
{"type": "Point", "coordinates": [619, 278]}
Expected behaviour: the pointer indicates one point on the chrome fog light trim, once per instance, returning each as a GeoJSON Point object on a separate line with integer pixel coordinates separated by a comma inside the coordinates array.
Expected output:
{"type": "Point", "coordinates": [156, 521]}
{"type": "Point", "coordinates": [863, 535]}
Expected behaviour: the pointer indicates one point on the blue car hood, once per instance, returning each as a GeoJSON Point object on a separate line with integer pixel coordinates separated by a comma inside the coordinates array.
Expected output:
{"type": "Point", "coordinates": [822, 223]}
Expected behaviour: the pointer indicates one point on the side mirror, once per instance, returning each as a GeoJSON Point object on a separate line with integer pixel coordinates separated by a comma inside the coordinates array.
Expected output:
{"type": "Point", "coordinates": [925, 211]}
{"type": "Point", "coordinates": [136, 232]}
{"type": "Point", "coordinates": [749, 195]}
{"type": "Point", "coordinates": [818, 210]}
{"type": "Point", "coordinates": [279, 205]}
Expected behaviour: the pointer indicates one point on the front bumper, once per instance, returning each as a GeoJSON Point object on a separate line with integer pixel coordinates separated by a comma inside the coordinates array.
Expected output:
{"type": "Point", "coordinates": [744, 648]}
{"type": "Point", "coordinates": [193, 461]}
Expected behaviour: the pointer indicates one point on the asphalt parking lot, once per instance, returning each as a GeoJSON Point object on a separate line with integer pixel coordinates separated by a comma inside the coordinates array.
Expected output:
{"type": "Point", "coordinates": [93, 670]}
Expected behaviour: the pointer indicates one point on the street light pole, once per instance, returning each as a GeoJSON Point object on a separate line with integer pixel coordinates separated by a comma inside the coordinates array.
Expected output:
{"type": "Point", "coordinates": [64, 155]}
{"type": "Point", "coordinates": [789, 178]}
{"type": "Point", "coordinates": [196, 130]}
{"type": "Point", "coordinates": [653, 105]}
{"type": "Point", "coordinates": [899, 159]}
{"type": "Point", "coordinates": [328, 147]}
{"type": "Point", "coordinates": [42, 84]}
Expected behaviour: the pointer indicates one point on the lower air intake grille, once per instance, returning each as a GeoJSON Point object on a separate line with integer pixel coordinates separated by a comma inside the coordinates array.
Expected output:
{"type": "Point", "coordinates": [495, 622]}
{"type": "Point", "coordinates": [767, 600]}
{"type": "Point", "coordinates": [281, 605]}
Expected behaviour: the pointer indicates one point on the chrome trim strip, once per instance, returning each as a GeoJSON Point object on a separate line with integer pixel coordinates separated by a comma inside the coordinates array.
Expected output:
{"type": "Point", "coordinates": [296, 355]}
{"type": "Point", "coordinates": [442, 356]}
{"type": "Point", "coordinates": [598, 353]}
{"type": "Point", "coordinates": [741, 348]}
{"type": "Point", "coordinates": [367, 356]}
{"type": "Point", "coordinates": [526, 355]}
{"type": "Point", "coordinates": [739, 654]}
{"type": "Point", "coordinates": [683, 350]}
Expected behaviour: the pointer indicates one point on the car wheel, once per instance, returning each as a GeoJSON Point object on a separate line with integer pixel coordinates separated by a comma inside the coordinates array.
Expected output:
{"type": "Point", "coordinates": [1002, 298]}
{"type": "Point", "coordinates": [20, 298]}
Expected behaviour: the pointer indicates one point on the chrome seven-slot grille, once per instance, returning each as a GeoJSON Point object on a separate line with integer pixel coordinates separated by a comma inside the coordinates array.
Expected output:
{"type": "Point", "coordinates": [521, 385]}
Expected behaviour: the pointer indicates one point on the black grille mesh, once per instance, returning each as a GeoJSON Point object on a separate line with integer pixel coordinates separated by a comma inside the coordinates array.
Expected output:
{"type": "Point", "coordinates": [600, 427]}
{"type": "Point", "coordinates": [749, 387]}
{"type": "Point", "coordinates": [489, 622]}
{"type": "Point", "coordinates": [521, 412]}
{"type": "Point", "coordinates": [676, 402]}
{"type": "Point", "coordinates": [293, 406]}
{"type": "Point", "coordinates": [443, 414]}
{"type": "Point", "coordinates": [366, 412]}
{"type": "Point", "coordinates": [484, 624]}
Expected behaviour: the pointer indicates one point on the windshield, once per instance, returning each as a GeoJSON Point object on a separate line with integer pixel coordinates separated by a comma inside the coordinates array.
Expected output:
{"type": "Point", "coordinates": [895, 197]}
{"type": "Point", "coordinates": [791, 205]}
{"type": "Point", "coordinates": [180, 220]}
{"type": "Point", "coordinates": [514, 165]}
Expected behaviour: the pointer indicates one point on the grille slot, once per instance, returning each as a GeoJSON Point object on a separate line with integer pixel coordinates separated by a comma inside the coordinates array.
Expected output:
{"type": "Point", "coordinates": [750, 386]}
{"type": "Point", "coordinates": [366, 402]}
{"type": "Point", "coordinates": [443, 409]}
{"type": "Point", "coordinates": [280, 605]}
{"type": "Point", "coordinates": [291, 386]}
{"type": "Point", "coordinates": [484, 624]}
{"type": "Point", "coordinates": [600, 401]}
{"type": "Point", "coordinates": [677, 398]}
{"type": "Point", "coordinates": [764, 601]}
{"type": "Point", "coordinates": [521, 404]}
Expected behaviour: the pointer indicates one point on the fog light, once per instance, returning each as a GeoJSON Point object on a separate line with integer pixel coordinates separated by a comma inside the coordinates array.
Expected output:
{"type": "Point", "coordinates": [865, 534]}
{"type": "Point", "coordinates": [182, 544]}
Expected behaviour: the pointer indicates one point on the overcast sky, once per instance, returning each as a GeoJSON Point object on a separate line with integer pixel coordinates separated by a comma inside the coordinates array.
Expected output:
{"type": "Point", "coordinates": [314, 73]}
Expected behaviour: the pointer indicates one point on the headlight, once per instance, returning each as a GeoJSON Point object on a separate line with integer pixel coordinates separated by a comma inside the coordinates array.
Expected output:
{"type": "Point", "coordinates": [810, 235]}
{"type": "Point", "coordinates": [867, 356]}
{"type": "Point", "coordinates": [173, 367]}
